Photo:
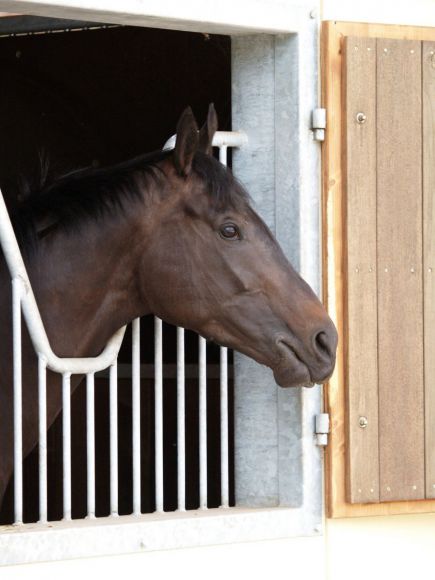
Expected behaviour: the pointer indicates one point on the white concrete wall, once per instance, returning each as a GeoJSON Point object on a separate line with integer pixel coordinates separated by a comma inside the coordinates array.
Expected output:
{"type": "Point", "coordinates": [399, 547]}
{"type": "Point", "coordinates": [256, 561]}
{"type": "Point", "coordinates": [407, 12]}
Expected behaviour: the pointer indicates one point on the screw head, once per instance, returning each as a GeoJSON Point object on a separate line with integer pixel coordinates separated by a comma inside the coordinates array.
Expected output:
{"type": "Point", "coordinates": [361, 118]}
{"type": "Point", "coordinates": [363, 422]}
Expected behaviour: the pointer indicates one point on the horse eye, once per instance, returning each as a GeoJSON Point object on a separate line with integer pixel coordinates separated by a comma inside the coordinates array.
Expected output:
{"type": "Point", "coordinates": [230, 232]}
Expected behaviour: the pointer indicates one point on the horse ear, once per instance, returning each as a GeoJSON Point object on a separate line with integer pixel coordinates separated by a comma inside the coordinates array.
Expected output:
{"type": "Point", "coordinates": [208, 130]}
{"type": "Point", "coordinates": [186, 143]}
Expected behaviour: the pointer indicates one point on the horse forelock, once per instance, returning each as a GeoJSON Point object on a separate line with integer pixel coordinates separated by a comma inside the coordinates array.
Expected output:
{"type": "Point", "coordinates": [224, 190]}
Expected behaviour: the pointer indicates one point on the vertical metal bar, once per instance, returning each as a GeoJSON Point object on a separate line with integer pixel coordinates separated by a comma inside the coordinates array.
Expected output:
{"type": "Point", "coordinates": [202, 424]}
{"type": "Point", "coordinates": [113, 388]}
{"type": "Point", "coordinates": [42, 426]}
{"type": "Point", "coordinates": [223, 154]}
{"type": "Point", "coordinates": [136, 415]}
{"type": "Point", "coordinates": [181, 442]}
{"type": "Point", "coordinates": [66, 443]}
{"type": "Point", "coordinates": [18, 433]}
{"type": "Point", "coordinates": [90, 443]}
{"type": "Point", "coordinates": [158, 411]}
{"type": "Point", "coordinates": [224, 398]}
{"type": "Point", "coordinates": [224, 426]}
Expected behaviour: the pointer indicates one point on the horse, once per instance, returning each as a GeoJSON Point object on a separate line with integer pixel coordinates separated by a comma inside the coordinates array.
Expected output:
{"type": "Point", "coordinates": [170, 233]}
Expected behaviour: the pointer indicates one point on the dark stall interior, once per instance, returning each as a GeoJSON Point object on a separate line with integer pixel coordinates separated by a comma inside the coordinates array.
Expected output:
{"type": "Point", "coordinates": [73, 97]}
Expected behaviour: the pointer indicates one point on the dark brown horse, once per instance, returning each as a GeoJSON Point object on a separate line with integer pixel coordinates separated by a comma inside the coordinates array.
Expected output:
{"type": "Point", "coordinates": [172, 234]}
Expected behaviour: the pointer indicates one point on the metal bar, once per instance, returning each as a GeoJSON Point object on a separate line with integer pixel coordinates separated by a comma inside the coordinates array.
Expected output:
{"type": "Point", "coordinates": [158, 411]}
{"type": "Point", "coordinates": [42, 444]}
{"type": "Point", "coordinates": [136, 416]}
{"type": "Point", "coordinates": [181, 434]}
{"type": "Point", "coordinates": [90, 443]}
{"type": "Point", "coordinates": [113, 394]}
{"type": "Point", "coordinates": [66, 443]}
{"type": "Point", "coordinates": [225, 501]}
{"type": "Point", "coordinates": [202, 424]}
{"type": "Point", "coordinates": [220, 139]}
{"type": "Point", "coordinates": [17, 382]}
{"type": "Point", "coordinates": [32, 316]}
{"type": "Point", "coordinates": [223, 149]}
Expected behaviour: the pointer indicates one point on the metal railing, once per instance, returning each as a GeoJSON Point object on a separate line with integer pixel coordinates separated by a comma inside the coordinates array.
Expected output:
{"type": "Point", "coordinates": [23, 301]}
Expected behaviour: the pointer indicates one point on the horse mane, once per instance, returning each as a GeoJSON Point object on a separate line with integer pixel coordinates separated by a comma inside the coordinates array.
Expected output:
{"type": "Point", "coordinates": [93, 193]}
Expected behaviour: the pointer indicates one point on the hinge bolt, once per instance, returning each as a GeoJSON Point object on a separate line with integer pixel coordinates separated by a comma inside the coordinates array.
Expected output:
{"type": "Point", "coordinates": [363, 422]}
{"type": "Point", "coordinates": [361, 118]}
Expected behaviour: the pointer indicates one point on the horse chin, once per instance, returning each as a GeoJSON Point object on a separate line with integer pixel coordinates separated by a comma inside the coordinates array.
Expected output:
{"type": "Point", "coordinates": [291, 371]}
{"type": "Point", "coordinates": [292, 377]}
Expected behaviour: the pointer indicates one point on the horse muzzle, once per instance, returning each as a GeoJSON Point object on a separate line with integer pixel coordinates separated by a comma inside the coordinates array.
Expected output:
{"type": "Point", "coordinates": [301, 366]}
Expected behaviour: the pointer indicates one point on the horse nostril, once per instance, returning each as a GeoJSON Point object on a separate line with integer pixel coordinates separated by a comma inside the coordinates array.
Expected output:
{"type": "Point", "coordinates": [322, 344]}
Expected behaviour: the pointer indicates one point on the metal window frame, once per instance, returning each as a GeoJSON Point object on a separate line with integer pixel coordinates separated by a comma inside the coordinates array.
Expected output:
{"type": "Point", "coordinates": [281, 169]}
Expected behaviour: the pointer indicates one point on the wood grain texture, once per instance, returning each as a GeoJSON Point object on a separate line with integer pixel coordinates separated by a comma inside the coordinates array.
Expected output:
{"type": "Point", "coordinates": [428, 71]}
{"type": "Point", "coordinates": [359, 166]}
{"type": "Point", "coordinates": [332, 35]}
{"type": "Point", "coordinates": [400, 292]}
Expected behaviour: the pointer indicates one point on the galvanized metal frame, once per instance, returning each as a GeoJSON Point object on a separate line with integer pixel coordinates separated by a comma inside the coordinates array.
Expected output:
{"type": "Point", "coordinates": [281, 169]}
{"type": "Point", "coordinates": [241, 17]}
{"type": "Point", "coordinates": [289, 201]}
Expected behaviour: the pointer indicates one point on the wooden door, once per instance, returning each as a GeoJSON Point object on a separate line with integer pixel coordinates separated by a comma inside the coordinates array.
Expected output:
{"type": "Point", "coordinates": [379, 264]}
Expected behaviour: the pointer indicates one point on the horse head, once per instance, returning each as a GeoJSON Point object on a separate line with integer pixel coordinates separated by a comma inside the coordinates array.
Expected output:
{"type": "Point", "coordinates": [212, 265]}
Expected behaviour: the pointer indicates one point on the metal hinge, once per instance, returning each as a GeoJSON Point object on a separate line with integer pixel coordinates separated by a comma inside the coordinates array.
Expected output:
{"type": "Point", "coordinates": [322, 429]}
{"type": "Point", "coordinates": [318, 124]}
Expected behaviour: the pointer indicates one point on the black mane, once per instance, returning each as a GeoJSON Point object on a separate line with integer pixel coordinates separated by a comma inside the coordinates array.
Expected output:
{"type": "Point", "coordinates": [91, 194]}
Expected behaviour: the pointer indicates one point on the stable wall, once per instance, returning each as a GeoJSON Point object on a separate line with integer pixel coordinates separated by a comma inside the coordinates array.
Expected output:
{"type": "Point", "coordinates": [407, 12]}
{"type": "Point", "coordinates": [381, 547]}
{"type": "Point", "coordinates": [290, 558]}
{"type": "Point", "coordinates": [396, 547]}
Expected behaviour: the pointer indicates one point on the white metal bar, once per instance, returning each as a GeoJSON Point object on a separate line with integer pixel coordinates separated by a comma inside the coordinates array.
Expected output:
{"type": "Point", "coordinates": [158, 411]}
{"type": "Point", "coordinates": [42, 444]}
{"type": "Point", "coordinates": [225, 500]}
{"type": "Point", "coordinates": [181, 433]}
{"type": "Point", "coordinates": [113, 395]}
{"type": "Point", "coordinates": [66, 443]}
{"type": "Point", "coordinates": [32, 316]}
{"type": "Point", "coordinates": [202, 423]}
{"type": "Point", "coordinates": [90, 443]}
{"type": "Point", "coordinates": [17, 382]}
{"type": "Point", "coordinates": [223, 150]}
{"type": "Point", "coordinates": [136, 416]}
{"type": "Point", "coordinates": [220, 139]}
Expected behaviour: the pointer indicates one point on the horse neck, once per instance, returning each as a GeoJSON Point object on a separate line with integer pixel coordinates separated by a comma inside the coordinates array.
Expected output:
{"type": "Point", "coordinates": [85, 282]}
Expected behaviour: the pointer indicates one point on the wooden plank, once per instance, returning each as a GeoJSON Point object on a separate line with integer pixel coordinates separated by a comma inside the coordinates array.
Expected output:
{"type": "Point", "coordinates": [428, 65]}
{"type": "Point", "coordinates": [332, 35]}
{"type": "Point", "coordinates": [400, 292]}
{"type": "Point", "coordinates": [332, 202]}
{"type": "Point", "coordinates": [359, 170]}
